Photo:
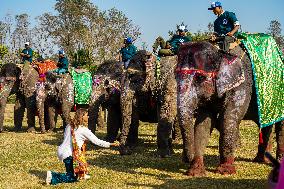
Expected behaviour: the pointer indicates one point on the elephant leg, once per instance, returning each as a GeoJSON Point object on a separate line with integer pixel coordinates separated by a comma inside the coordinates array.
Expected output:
{"type": "Point", "coordinates": [101, 121]}
{"type": "Point", "coordinates": [19, 110]}
{"type": "Point", "coordinates": [46, 119]}
{"type": "Point", "coordinates": [264, 145]}
{"type": "Point", "coordinates": [202, 128]}
{"type": "Point", "coordinates": [280, 140]}
{"type": "Point", "coordinates": [31, 113]}
{"type": "Point", "coordinates": [164, 138]}
{"type": "Point", "coordinates": [132, 137]}
{"type": "Point", "coordinates": [3, 101]}
{"type": "Point", "coordinates": [66, 109]}
{"type": "Point", "coordinates": [113, 124]}
{"type": "Point", "coordinates": [52, 118]}
{"type": "Point", "coordinates": [93, 113]}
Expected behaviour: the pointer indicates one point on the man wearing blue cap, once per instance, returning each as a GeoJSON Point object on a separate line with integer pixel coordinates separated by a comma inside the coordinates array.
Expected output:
{"type": "Point", "coordinates": [62, 63]}
{"type": "Point", "coordinates": [170, 47]}
{"type": "Point", "coordinates": [225, 26]}
{"type": "Point", "coordinates": [127, 51]}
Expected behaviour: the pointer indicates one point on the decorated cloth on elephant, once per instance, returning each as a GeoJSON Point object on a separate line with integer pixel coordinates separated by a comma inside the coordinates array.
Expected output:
{"type": "Point", "coordinates": [268, 69]}
{"type": "Point", "coordinates": [82, 80]}
{"type": "Point", "coordinates": [43, 67]}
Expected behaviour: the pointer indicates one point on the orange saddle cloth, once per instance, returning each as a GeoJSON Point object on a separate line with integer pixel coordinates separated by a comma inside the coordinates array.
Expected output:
{"type": "Point", "coordinates": [44, 67]}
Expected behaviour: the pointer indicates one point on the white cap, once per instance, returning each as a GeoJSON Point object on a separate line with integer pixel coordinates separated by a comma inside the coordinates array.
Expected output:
{"type": "Point", "coordinates": [181, 27]}
{"type": "Point", "coordinates": [27, 43]}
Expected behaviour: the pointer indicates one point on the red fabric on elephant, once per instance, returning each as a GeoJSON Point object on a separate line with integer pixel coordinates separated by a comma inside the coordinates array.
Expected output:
{"type": "Point", "coordinates": [44, 67]}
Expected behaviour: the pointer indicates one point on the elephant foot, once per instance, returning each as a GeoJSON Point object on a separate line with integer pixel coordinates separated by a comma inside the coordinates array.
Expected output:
{"type": "Point", "coordinates": [196, 168]}
{"type": "Point", "coordinates": [51, 131]}
{"type": "Point", "coordinates": [17, 129]}
{"type": "Point", "coordinates": [43, 131]}
{"type": "Point", "coordinates": [164, 153]}
{"type": "Point", "coordinates": [31, 130]}
{"type": "Point", "coordinates": [124, 150]}
{"type": "Point", "coordinates": [226, 167]}
{"type": "Point", "coordinates": [185, 159]}
{"type": "Point", "coordinates": [261, 159]}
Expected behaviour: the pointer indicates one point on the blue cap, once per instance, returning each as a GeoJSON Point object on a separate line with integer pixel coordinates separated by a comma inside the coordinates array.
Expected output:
{"type": "Point", "coordinates": [61, 52]}
{"type": "Point", "coordinates": [214, 5]}
{"type": "Point", "coordinates": [128, 40]}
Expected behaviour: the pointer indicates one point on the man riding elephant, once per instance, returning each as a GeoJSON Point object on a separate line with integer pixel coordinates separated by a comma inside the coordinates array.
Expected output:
{"type": "Point", "coordinates": [170, 47]}
{"type": "Point", "coordinates": [62, 63]}
{"type": "Point", "coordinates": [225, 26]}
{"type": "Point", "coordinates": [27, 53]}
{"type": "Point", "coordinates": [127, 51]}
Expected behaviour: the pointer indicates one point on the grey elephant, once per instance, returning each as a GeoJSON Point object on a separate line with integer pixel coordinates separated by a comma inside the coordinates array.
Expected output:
{"type": "Point", "coordinates": [56, 93]}
{"type": "Point", "coordinates": [22, 82]}
{"type": "Point", "coordinates": [106, 93]}
{"type": "Point", "coordinates": [217, 92]}
{"type": "Point", "coordinates": [147, 78]}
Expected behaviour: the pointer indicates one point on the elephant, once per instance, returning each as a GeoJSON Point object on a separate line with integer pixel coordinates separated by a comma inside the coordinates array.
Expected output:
{"type": "Point", "coordinates": [56, 93]}
{"type": "Point", "coordinates": [22, 82]}
{"type": "Point", "coordinates": [106, 93]}
{"type": "Point", "coordinates": [148, 78]}
{"type": "Point", "coordinates": [214, 90]}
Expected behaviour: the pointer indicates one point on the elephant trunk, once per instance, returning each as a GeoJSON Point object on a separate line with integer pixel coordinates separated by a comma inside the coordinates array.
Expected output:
{"type": "Point", "coordinates": [94, 107]}
{"type": "Point", "coordinates": [186, 103]}
{"type": "Point", "coordinates": [40, 99]}
{"type": "Point", "coordinates": [126, 100]}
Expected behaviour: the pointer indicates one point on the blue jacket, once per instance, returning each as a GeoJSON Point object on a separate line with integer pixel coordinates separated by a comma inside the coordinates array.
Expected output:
{"type": "Point", "coordinates": [128, 52]}
{"type": "Point", "coordinates": [28, 51]}
{"type": "Point", "coordinates": [177, 40]}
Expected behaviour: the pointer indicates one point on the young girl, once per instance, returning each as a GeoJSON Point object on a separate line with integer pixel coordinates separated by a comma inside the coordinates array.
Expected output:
{"type": "Point", "coordinates": [72, 150]}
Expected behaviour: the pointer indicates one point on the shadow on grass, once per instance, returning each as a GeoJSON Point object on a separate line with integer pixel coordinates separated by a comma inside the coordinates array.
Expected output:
{"type": "Point", "coordinates": [40, 174]}
{"type": "Point", "coordinates": [208, 183]}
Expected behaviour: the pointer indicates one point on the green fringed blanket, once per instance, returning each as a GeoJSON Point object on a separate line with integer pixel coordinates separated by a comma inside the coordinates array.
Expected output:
{"type": "Point", "coordinates": [268, 68]}
{"type": "Point", "coordinates": [82, 86]}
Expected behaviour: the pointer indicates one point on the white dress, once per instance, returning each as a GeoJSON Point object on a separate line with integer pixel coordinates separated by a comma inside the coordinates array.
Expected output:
{"type": "Point", "coordinates": [81, 134]}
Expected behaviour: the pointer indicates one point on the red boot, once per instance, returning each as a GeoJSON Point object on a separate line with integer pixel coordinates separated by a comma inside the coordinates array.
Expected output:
{"type": "Point", "coordinates": [196, 168]}
{"type": "Point", "coordinates": [226, 166]}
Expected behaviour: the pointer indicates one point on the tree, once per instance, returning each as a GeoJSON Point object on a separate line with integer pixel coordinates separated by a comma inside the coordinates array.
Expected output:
{"type": "Point", "coordinates": [275, 30]}
{"type": "Point", "coordinates": [80, 25]}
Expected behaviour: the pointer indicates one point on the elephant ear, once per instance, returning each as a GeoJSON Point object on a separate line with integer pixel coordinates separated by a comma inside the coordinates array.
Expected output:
{"type": "Point", "coordinates": [230, 75]}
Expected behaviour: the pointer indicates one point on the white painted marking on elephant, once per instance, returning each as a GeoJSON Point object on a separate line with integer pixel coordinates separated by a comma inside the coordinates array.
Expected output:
{"type": "Point", "coordinates": [187, 93]}
{"type": "Point", "coordinates": [70, 93]}
{"type": "Point", "coordinates": [240, 97]}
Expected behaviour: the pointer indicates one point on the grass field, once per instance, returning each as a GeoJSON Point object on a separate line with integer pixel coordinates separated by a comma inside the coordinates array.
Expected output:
{"type": "Point", "coordinates": [25, 158]}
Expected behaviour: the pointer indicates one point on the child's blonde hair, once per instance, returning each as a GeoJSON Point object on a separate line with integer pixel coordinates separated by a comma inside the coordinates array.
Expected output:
{"type": "Point", "coordinates": [78, 118]}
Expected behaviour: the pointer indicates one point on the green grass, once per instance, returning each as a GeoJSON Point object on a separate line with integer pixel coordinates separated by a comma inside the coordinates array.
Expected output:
{"type": "Point", "coordinates": [25, 158]}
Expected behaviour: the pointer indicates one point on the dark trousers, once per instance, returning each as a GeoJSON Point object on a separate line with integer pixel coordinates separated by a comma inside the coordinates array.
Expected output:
{"type": "Point", "coordinates": [67, 177]}
{"type": "Point", "coordinates": [224, 42]}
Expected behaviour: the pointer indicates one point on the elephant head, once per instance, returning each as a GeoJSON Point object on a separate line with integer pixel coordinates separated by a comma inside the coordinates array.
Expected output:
{"type": "Point", "coordinates": [9, 84]}
{"type": "Point", "coordinates": [57, 90]}
{"type": "Point", "coordinates": [106, 89]}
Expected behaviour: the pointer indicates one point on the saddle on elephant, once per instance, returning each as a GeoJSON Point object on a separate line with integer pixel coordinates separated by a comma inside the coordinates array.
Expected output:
{"type": "Point", "coordinates": [43, 67]}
